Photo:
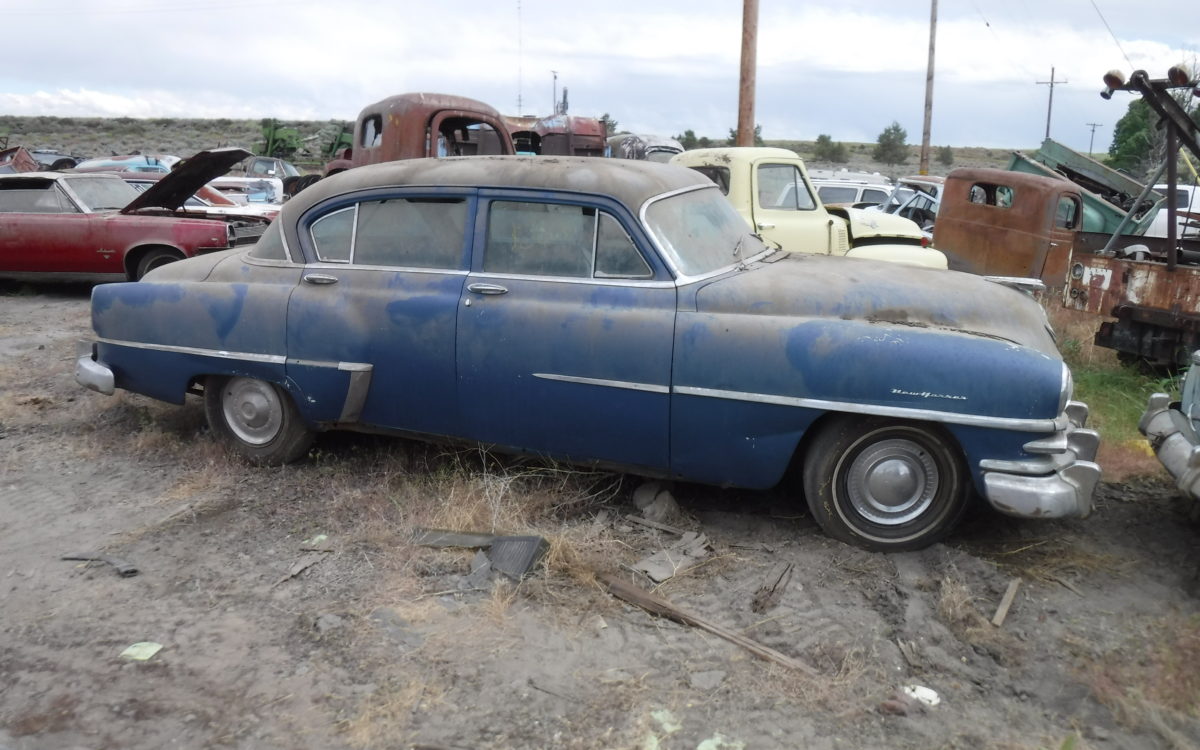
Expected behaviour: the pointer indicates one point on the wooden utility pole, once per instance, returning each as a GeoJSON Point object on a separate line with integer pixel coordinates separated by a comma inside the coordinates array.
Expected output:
{"type": "Point", "coordinates": [924, 169]}
{"type": "Point", "coordinates": [745, 129]}
{"type": "Point", "coordinates": [1050, 106]}
{"type": "Point", "coordinates": [1092, 139]}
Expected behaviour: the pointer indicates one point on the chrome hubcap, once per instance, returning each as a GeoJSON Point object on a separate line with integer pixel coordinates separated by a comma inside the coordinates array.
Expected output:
{"type": "Point", "coordinates": [892, 482]}
{"type": "Point", "coordinates": [252, 410]}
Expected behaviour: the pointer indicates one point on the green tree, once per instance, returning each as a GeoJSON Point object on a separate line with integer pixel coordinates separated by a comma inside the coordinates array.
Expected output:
{"type": "Point", "coordinates": [826, 150]}
{"type": "Point", "coordinates": [687, 139]}
{"type": "Point", "coordinates": [610, 125]}
{"type": "Point", "coordinates": [945, 156]}
{"type": "Point", "coordinates": [704, 142]}
{"type": "Point", "coordinates": [891, 147]}
{"type": "Point", "coordinates": [758, 139]}
{"type": "Point", "coordinates": [1132, 147]}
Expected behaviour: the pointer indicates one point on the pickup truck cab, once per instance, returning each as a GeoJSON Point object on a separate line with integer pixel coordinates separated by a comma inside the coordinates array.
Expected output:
{"type": "Point", "coordinates": [771, 190]}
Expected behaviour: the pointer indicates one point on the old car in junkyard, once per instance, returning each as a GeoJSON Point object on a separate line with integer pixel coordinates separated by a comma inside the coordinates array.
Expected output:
{"type": "Point", "coordinates": [771, 190]}
{"type": "Point", "coordinates": [95, 226]}
{"type": "Point", "coordinates": [615, 313]}
{"type": "Point", "coordinates": [1173, 429]}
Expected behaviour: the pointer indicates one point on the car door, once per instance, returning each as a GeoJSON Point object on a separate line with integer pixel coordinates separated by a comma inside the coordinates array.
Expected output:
{"type": "Point", "coordinates": [785, 211]}
{"type": "Point", "coordinates": [371, 325]}
{"type": "Point", "coordinates": [565, 333]}
{"type": "Point", "coordinates": [43, 231]}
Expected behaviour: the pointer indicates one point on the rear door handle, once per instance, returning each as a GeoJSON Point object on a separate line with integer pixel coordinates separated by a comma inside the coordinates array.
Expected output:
{"type": "Point", "coordinates": [765, 225]}
{"type": "Point", "coordinates": [486, 289]}
{"type": "Point", "coordinates": [320, 278]}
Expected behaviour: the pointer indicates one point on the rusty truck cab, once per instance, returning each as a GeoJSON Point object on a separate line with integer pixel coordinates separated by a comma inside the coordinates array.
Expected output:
{"type": "Point", "coordinates": [1001, 223]}
{"type": "Point", "coordinates": [411, 126]}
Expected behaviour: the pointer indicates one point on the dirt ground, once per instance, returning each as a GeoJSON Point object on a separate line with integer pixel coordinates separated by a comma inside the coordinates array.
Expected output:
{"type": "Point", "coordinates": [374, 642]}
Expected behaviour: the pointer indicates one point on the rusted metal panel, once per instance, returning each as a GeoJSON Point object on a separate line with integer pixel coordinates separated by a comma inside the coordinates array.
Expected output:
{"type": "Point", "coordinates": [17, 159]}
{"type": "Point", "coordinates": [558, 135]}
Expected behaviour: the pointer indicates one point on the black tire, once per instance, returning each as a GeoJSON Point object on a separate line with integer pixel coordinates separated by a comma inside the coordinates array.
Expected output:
{"type": "Point", "coordinates": [257, 419]}
{"type": "Point", "coordinates": [153, 259]}
{"type": "Point", "coordinates": [846, 469]}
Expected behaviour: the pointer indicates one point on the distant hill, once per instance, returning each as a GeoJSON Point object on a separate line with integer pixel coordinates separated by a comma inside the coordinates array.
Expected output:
{"type": "Point", "coordinates": [104, 136]}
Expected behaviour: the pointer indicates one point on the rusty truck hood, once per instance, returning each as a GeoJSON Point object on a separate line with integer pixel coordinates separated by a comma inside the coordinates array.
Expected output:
{"type": "Point", "coordinates": [812, 286]}
{"type": "Point", "coordinates": [173, 190]}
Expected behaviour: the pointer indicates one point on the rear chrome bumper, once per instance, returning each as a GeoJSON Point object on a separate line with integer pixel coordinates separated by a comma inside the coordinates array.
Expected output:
{"type": "Point", "coordinates": [90, 373]}
{"type": "Point", "coordinates": [1174, 441]}
{"type": "Point", "coordinates": [1058, 482]}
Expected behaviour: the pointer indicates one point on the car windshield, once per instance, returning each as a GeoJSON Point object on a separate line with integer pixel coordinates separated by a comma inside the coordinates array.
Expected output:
{"type": "Point", "coordinates": [701, 232]}
{"type": "Point", "coordinates": [102, 193]}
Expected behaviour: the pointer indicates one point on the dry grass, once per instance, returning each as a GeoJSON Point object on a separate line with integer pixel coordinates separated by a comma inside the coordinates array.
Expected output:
{"type": "Point", "coordinates": [957, 608]}
{"type": "Point", "coordinates": [1153, 682]}
{"type": "Point", "coordinates": [384, 718]}
{"type": "Point", "coordinates": [1050, 560]}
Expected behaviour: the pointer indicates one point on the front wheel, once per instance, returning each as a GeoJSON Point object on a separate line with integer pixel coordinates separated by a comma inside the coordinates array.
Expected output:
{"type": "Point", "coordinates": [257, 419]}
{"type": "Point", "coordinates": [884, 484]}
{"type": "Point", "coordinates": [154, 259]}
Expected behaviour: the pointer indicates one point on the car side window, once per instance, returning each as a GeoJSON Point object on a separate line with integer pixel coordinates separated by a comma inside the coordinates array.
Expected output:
{"type": "Point", "coordinates": [781, 187]}
{"type": "Point", "coordinates": [333, 235]}
{"type": "Point", "coordinates": [874, 196]}
{"type": "Point", "coordinates": [1064, 215]}
{"type": "Point", "coordinates": [616, 255]}
{"type": "Point", "coordinates": [553, 239]}
{"type": "Point", "coordinates": [411, 232]}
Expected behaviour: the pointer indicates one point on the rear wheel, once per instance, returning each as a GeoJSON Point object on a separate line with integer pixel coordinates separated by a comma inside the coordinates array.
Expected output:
{"type": "Point", "coordinates": [257, 419]}
{"type": "Point", "coordinates": [154, 259]}
{"type": "Point", "coordinates": [885, 484]}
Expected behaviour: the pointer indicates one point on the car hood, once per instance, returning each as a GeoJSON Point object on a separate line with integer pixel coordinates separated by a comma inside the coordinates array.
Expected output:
{"type": "Point", "coordinates": [188, 176]}
{"type": "Point", "coordinates": [868, 224]}
{"type": "Point", "coordinates": [814, 286]}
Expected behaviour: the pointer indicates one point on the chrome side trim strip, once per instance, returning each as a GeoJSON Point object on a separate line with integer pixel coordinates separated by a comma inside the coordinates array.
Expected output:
{"type": "Point", "coordinates": [647, 387]}
{"type": "Point", "coordinates": [273, 359]}
{"type": "Point", "coordinates": [902, 412]}
{"type": "Point", "coordinates": [634, 283]}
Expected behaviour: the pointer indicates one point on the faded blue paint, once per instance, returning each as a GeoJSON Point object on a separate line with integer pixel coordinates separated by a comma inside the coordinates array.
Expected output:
{"type": "Point", "coordinates": [226, 311]}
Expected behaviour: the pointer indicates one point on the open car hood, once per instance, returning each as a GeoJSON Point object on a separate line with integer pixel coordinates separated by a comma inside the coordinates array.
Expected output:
{"type": "Point", "coordinates": [189, 176]}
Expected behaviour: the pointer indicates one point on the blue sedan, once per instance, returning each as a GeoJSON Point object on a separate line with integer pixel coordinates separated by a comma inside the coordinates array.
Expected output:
{"type": "Point", "coordinates": [618, 314]}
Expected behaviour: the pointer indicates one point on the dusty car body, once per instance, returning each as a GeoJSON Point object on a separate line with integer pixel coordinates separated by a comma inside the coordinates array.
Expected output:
{"type": "Point", "coordinates": [17, 159]}
{"type": "Point", "coordinates": [615, 313]}
{"type": "Point", "coordinates": [411, 126]}
{"type": "Point", "coordinates": [88, 226]}
{"type": "Point", "coordinates": [770, 188]}
{"type": "Point", "coordinates": [1173, 429]}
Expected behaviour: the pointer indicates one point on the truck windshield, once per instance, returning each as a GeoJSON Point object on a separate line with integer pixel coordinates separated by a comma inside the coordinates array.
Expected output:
{"type": "Point", "coordinates": [700, 231]}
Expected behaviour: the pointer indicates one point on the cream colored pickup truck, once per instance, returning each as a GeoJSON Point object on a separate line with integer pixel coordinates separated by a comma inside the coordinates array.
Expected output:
{"type": "Point", "coordinates": [770, 188]}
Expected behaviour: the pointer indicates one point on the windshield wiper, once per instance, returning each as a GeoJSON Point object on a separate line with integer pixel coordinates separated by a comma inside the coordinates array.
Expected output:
{"type": "Point", "coordinates": [737, 253]}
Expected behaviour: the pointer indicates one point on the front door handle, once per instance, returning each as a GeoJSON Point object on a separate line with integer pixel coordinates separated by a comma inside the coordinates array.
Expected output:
{"type": "Point", "coordinates": [320, 278]}
{"type": "Point", "coordinates": [765, 225]}
{"type": "Point", "coordinates": [486, 289]}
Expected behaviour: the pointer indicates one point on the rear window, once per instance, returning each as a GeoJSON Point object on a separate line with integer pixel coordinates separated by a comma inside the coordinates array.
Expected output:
{"type": "Point", "coordinates": [830, 194]}
{"type": "Point", "coordinates": [719, 175]}
{"type": "Point", "coordinates": [991, 194]}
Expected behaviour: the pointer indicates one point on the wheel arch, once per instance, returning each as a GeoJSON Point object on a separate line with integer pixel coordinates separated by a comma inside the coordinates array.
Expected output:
{"type": "Point", "coordinates": [134, 256]}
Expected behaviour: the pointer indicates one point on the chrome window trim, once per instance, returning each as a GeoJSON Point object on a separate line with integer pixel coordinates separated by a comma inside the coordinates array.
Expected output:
{"type": "Point", "coordinates": [600, 214]}
{"type": "Point", "coordinates": [902, 412]}
{"type": "Point", "coordinates": [681, 278]}
{"type": "Point", "coordinates": [273, 359]}
{"type": "Point", "coordinates": [270, 262]}
{"type": "Point", "coordinates": [637, 283]}
{"type": "Point", "coordinates": [627, 385]}
{"type": "Point", "coordinates": [334, 265]}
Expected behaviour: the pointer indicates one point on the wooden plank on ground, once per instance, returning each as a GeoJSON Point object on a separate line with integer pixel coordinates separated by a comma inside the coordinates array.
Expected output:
{"type": "Point", "coordinates": [657, 605]}
{"type": "Point", "coordinates": [1006, 602]}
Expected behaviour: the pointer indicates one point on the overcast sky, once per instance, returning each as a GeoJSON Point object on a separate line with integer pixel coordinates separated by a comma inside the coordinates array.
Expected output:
{"type": "Point", "coordinates": [847, 69]}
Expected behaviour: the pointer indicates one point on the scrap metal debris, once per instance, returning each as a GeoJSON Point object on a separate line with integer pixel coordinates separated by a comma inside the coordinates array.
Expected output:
{"type": "Point", "coordinates": [514, 556]}
{"type": "Point", "coordinates": [142, 651]}
{"type": "Point", "coordinates": [301, 565]}
{"type": "Point", "coordinates": [689, 551]}
{"type": "Point", "coordinates": [123, 568]}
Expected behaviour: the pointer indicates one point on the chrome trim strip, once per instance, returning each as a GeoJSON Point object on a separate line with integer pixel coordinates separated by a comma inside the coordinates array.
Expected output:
{"type": "Point", "coordinates": [647, 387]}
{"type": "Point", "coordinates": [355, 267]}
{"type": "Point", "coordinates": [273, 359]}
{"type": "Point", "coordinates": [637, 284]}
{"type": "Point", "coordinates": [903, 412]}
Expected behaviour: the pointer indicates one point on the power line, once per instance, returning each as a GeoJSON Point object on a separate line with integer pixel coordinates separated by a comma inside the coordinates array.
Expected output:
{"type": "Point", "coordinates": [1110, 33]}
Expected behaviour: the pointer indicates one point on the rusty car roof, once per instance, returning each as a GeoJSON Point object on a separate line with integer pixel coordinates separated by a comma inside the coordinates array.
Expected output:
{"type": "Point", "coordinates": [630, 182]}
